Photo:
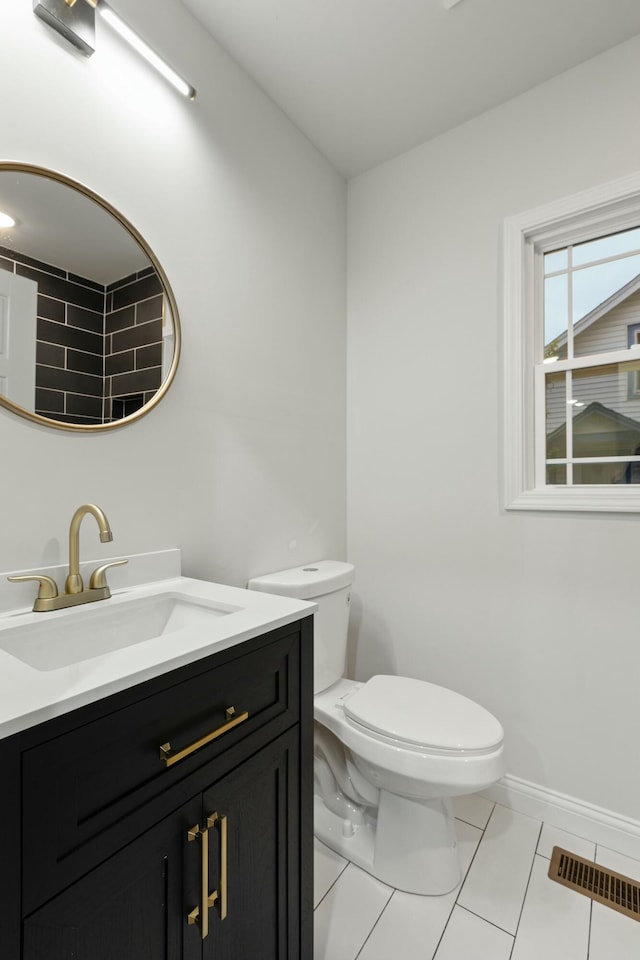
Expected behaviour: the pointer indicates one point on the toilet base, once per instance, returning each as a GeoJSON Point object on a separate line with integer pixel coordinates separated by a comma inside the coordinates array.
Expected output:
{"type": "Point", "coordinates": [412, 846]}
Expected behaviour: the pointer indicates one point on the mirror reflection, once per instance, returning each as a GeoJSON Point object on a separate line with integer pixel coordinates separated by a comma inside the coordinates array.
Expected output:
{"type": "Point", "coordinates": [89, 333]}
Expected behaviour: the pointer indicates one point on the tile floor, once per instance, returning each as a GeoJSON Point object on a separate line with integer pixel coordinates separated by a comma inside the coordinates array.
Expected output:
{"type": "Point", "coordinates": [504, 909]}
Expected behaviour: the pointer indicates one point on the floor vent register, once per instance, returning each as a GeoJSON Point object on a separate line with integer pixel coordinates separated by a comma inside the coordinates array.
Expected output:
{"type": "Point", "coordinates": [604, 886]}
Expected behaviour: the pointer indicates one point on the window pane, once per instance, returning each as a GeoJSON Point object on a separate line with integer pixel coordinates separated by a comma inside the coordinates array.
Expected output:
{"type": "Point", "coordinates": [556, 313]}
{"type": "Point", "coordinates": [556, 474]}
{"type": "Point", "coordinates": [606, 421]}
{"type": "Point", "coordinates": [611, 246]}
{"type": "Point", "coordinates": [597, 472]}
{"type": "Point", "coordinates": [598, 329]}
{"type": "Point", "coordinates": [558, 260]}
{"type": "Point", "coordinates": [556, 417]}
{"type": "Point", "coordinates": [627, 473]}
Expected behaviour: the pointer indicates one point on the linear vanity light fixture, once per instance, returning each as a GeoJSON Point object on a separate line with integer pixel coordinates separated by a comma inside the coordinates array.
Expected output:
{"type": "Point", "coordinates": [145, 50]}
{"type": "Point", "coordinates": [75, 20]}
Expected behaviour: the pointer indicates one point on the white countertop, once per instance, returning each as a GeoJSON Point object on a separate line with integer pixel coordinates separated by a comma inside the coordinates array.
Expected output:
{"type": "Point", "coordinates": [30, 695]}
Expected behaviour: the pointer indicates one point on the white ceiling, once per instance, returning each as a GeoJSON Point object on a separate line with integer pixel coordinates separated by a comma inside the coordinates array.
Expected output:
{"type": "Point", "coordinates": [65, 228]}
{"type": "Point", "coordinates": [368, 79]}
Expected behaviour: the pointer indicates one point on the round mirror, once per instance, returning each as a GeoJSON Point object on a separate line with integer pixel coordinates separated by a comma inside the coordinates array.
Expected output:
{"type": "Point", "coordinates": [89, 328]}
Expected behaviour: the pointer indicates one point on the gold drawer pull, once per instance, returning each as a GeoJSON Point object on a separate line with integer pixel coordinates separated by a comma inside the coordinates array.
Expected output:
{"type": "Point", "coordinates": [232, 721]}
{"type": "Point", "coordinates": [220, 896]}
{"type": "Point", "coordinates": [200, 915]}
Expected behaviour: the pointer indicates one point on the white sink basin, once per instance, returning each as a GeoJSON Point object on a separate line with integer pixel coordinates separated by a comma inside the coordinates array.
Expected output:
{"type": "Point", "coordinates": [62, 640]}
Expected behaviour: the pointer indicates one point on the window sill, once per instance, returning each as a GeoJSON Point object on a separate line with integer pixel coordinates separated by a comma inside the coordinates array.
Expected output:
{"type": "Point", "coordinates": [622, 499]}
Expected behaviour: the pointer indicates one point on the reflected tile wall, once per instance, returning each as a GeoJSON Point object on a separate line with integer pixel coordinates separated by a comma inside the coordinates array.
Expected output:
{"type": "Point", "coordinates": [133, 342]}
{"type": "Point", "coordinates": [98, 349]}
{"type": "Point", "coordinates": [70, 340]}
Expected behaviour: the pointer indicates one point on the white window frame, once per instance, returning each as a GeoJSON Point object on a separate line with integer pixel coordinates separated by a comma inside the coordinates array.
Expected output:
{"type": "Point", "coordinates": [609, 208]}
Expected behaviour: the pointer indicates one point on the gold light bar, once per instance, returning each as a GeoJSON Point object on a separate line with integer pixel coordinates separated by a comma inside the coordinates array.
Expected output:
{"type": "Point", "coordinates": [145, 50]}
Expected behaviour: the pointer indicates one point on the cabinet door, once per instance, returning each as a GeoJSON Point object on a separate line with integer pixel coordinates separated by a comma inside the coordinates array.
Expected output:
{"type": "Point", "coordinates": [131, 907]}
{"type": "Point", "coordinates": [100, 777]}
{"type": "Point", "coordinates": [254, 857]}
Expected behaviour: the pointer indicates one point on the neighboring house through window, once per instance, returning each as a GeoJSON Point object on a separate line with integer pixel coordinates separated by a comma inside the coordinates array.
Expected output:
{"type": "Point", "coordinates": [572, 353]}
{"type": "Point", "coordinates": [633, 340]}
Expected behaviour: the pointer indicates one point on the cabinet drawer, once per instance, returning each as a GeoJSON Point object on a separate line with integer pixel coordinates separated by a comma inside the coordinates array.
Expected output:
{"type": "Point", "coordinates": [88, 792]}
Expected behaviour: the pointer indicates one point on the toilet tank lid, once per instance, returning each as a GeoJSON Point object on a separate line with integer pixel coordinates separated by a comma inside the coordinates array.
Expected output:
{"type": "Point", "coordinates": [311, 580]}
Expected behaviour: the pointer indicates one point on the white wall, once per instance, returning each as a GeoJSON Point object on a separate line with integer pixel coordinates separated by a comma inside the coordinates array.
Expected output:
{"type": "Point", "coordinates": [242, 464]}
{"type": "Point", "coordinates": [534, 616]}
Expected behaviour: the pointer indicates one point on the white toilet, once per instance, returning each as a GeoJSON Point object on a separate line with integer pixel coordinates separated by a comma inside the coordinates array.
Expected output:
{"type": "Point", "coordinates": [389, 753]}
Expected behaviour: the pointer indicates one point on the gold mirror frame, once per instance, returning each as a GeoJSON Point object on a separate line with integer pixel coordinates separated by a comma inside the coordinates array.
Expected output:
{"type": "Point", "coordinates": [26, 168]}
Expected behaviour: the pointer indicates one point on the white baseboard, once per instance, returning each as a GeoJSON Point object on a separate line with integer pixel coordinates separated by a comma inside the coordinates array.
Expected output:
{"type": "Point", "coordinates": [567, 813]}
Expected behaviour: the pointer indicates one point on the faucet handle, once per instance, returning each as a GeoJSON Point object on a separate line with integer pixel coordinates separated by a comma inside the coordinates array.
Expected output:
{"type": "Point", "coordinates": [98, 579]}
{"type": "Point", "coordinates": [48, 588]}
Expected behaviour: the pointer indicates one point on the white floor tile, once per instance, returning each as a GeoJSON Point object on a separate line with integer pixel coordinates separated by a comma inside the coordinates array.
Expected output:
{"type": "Point", "coordinates": [498, 877]}
{"type": "Point", "coordinates": [359, 918]}
{"type": "Point", "coordinates": [618, 862]}
{"type": "Point", "coordinates": [554, 922]}
{"type": "Point", "coordinates": [612, 934]}
{"type": "Point", "coordinates": [347, 914]}
{"type": "Point", "coordinates": [473, 809]}
{"type": "Point", "coordinates": [412, 922]}
{"type": "Point", "coordinates": [327, 867]}
{"type": "Point", "coordinates": [471, 937]}
{"type": "Point", "coordinates": [417, 922]}
{"type": "Point", "coordinates": [554, 837]}
{"type": "Point", "coordinates": [468, 839]}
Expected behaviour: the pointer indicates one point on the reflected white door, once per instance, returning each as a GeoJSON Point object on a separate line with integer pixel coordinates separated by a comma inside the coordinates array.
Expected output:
{"type": "Point", "coordinates": [18, 303]}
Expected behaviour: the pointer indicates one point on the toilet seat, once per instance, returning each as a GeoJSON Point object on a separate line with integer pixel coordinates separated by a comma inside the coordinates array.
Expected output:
{"type": "Point", "coordinates": [424, 715]}
{"type": "Point", "coordinates": [408, 769]}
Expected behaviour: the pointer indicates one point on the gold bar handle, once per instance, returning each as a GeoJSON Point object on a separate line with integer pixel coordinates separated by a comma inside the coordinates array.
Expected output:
{"type": "Point", "coordinates": [200, 915]}
{"type": "Point", "coordinates": [233, 720]}
{"type": "Point", "coordinates": [220, 896]}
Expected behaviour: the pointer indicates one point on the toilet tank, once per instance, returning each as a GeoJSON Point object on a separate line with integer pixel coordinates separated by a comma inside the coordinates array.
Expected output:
{"type": "Point", "coordinates": [328, 584]}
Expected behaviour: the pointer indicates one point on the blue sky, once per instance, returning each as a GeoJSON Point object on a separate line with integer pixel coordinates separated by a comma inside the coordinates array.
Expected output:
{"type": "Point", "coordinates": [591, 284]}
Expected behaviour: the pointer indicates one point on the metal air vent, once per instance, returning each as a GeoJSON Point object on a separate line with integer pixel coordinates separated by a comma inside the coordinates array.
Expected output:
{"type": "Point", "coordinates": [604, 886]}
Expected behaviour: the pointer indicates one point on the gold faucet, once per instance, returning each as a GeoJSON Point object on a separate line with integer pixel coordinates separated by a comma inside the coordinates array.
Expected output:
{"type": "Point", "coordinates": [73, 583]}
{"type": "Point", "coordinates": [75, 592]}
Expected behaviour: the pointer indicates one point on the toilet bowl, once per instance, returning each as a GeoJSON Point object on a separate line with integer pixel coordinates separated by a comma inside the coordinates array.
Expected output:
{"type": "Point", "coordinates": [389, 754]}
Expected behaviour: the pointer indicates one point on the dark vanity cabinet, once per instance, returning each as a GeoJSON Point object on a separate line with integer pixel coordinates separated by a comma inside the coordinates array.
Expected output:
{"type": "Point", "coordinates": [172, 821]}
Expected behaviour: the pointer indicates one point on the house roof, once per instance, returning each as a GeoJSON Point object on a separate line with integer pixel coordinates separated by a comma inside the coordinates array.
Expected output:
{"type": "Point", "coordinates": [626, 428]}
{"type": "Point", "coordinates": [616, 298]}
